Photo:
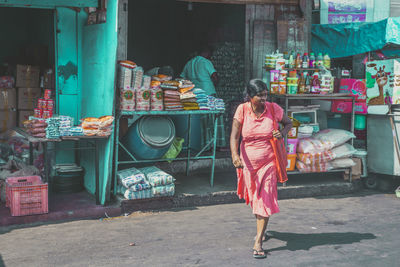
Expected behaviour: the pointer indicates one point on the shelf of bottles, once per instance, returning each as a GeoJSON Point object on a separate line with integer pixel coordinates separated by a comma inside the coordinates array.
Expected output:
{"type": "Point", "coordinates": [296, 74]}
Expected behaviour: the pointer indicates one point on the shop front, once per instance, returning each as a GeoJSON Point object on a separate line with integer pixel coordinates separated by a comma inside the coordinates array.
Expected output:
{"type": "Point", "coordinates": [58, 65]}
{"type": "Point", "coordinates": [240, 33]}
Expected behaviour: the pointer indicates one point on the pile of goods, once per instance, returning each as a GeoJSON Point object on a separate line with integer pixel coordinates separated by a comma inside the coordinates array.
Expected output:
{"type": "Point", "coordinates": [171, 93]}
{"type": "Point", "coordinates": [101, 126]}
{"type": "Point", "coordinates": [144, 183]}
{"type": "Point", "coordinates": [59, 126]}
{"type": "Point", "coordinates": [36, 128]}
{"type": "Point", "coordinates": [24, 90]}
{"type": "Point", "coordinates": [143, 93]}
{"type": "Point", "coordinates": [325, 151]}
{"type": "Point", "coordinates": [296, 74]}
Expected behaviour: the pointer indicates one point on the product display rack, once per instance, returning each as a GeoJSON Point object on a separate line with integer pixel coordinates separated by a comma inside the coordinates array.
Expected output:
{"type": "Point", "coordinates": [297, 69]}
{"type": "Point", "coordinates": [133, 160]}
{"type": "Point", "coordinates": [288, 97]}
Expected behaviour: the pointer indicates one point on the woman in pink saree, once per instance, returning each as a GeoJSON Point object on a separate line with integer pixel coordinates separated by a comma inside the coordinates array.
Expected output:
{"type": "Point", "coordinates": [257, 178]}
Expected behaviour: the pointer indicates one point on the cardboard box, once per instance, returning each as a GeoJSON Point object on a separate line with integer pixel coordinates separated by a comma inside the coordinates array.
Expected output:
{"type": "Point", "coordinates": [355, 87]}
{"type": "Point", "coordinates": [356, 170]}
{"type": "Point", "coordinates": [23, 115]}
{"type": "Point", "coordinates": [27, 98]}
{"type": "Point", "coordinates": [8, 120]}
{"type": "Point", "coordinates": [8, 98]}
{"type": "Point", "coordinates": [27, 76]}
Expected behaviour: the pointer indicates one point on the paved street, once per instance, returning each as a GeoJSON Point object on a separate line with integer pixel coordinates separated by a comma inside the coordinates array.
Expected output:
{"type": "Point", "coordinates": [350, 230]}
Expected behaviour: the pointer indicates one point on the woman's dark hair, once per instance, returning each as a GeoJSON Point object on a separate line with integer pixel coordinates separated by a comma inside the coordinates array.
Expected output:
{"type": "Point", "coordinates": [254, 87]}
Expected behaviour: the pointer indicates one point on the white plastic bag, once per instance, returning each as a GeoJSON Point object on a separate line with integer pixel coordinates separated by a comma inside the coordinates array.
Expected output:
{"type": "Point", "coordinates": [313, 146]}
{"type": "Point", "coordinates": [335, 136]}
{"type": "Point", "coordinates": [342, 163]}
{"type": "Point", "coordinates": [343, 151]}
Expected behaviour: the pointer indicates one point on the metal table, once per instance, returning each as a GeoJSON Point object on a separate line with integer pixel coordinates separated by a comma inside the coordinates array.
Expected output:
{"type": "Point", "coordinates": [338, 96]}
{"type": "Point", "coordinates": [93, 145]}
{"type": "Point", "coordinates": [215, 113]}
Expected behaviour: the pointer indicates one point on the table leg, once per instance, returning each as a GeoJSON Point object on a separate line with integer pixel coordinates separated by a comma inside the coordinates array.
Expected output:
{"type": "Point", "coordinates": [214, 148]}
{"type": "Point", "coordinates": [46, 169]}
{"type": "Point", "coordinates": [116, 145]}
{"type": "Point", "coordinates": [96, 152]}
{"type": "Point", "coordinates": [188, 146]}
{"type": "Point", "coordinates": [77, 153]}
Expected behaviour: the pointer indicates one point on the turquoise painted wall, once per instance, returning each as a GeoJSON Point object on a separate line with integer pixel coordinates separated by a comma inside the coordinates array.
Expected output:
{"type": "Point", "coordinates": [99, 49]}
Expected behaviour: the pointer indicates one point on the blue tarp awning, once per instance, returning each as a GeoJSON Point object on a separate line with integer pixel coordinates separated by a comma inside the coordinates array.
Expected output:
{"type": "Point", "coordinates": [348, 39]}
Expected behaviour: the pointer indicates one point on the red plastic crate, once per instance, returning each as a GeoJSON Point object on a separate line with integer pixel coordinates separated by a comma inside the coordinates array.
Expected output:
{"type": "Point", "coordinates": [27, 195]}
{"type": "Point", "coordinates": [20, 181]}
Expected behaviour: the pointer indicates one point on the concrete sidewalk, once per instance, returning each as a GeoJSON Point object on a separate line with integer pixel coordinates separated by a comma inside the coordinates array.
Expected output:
{"type": "Point", "coordinates": [191, 191]}
{"type": "Point", "coordinates": [342, 230]}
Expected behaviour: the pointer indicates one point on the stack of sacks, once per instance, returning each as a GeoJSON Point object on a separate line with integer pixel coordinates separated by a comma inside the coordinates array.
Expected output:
{"type": "Point", "coordinates": [201, 98]}
{"type": "Point", "coordinates": [219, 104]}
{"type": "Point", "coordinates": [161, 78]}
{"type": "Point", "coordinates": [66, 123]}
{"type": "Point", "coordinates": [189, 101]}
{"type": "Point", "coordinates": [36, 128]}
{"type": "Point", "coordinates": [156, 99]}
{"type": "Point", "coordinates": [133, 184]}
{"type": "Point", "coordinates": [105, 125]}
{"type": "Point", "coordinates": [185, 86]}
{"type": "Point", "coordinates": [325, 151]}
{"type": "Point", "coordinates": [101, 126]}
{"type": "Point", "coordinates": [211, 102]}
{"type": "Point", "coordinates": [53, 128]}
{"type": "Point", "coordinates": [172, 99]}
{"type": "Point", "coordinates": [162, 183]}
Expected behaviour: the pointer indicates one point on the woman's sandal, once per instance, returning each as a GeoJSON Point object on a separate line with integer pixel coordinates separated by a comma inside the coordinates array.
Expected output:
{"type": "Point", "coordinates": [259, 254]}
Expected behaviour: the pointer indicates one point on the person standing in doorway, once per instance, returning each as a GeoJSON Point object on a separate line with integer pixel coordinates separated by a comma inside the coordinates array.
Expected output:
{"type": "Point", "coordinates": [257, 174]}
{"type": "Point", "coordinates": [202, 73]}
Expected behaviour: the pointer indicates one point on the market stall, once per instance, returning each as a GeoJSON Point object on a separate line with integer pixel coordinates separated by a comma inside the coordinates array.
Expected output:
{"type": "Point", "coordinates": [55, 98]}
{"type": "Point", "coordinates": [296, 81]}
{"type": "Point", "coordinates": [378, 45]}
{"type": "Point", "coordinates": [152, 137]}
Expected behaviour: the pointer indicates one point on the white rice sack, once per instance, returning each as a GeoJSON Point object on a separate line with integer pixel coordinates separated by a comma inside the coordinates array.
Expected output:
{"type": "Point", "coordinates": [343, 151]}
{"type": "Point", "coordinates": [313, 146]}
{"type": "Point", "coordinates": [342, 163]}
{"type": "Point", "coordinates": [131, 176]}
{"type": "Point", "coordinates": [138, 194]}
{"type": "Point", "coordinates": [335, 136]}
{"type": "Point", "coordinates": [157, 177]}
{"type": "Point", "coordinates": [163, 191]}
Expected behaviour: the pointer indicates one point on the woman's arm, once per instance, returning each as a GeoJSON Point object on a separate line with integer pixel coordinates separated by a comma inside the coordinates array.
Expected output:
{"type": "Point", "coordinates": [234, 142]}
{"type": "Point", "coordinates": [287, 124]}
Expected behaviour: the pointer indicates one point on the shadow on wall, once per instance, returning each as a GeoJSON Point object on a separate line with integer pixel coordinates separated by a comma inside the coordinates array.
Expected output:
{"type": "Point", "coordinates": [307, 241]}
{"type": "Point", "coordinates": [1, 261]}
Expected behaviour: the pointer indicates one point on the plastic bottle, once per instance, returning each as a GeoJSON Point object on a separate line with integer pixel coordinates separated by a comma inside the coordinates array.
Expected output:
{"type": "Point", "coordinates": [307, 88]}
{"type": "Point", "coordinates": [320, 60]}
{"type": "Point", "coordinates": [306, 61]}
{"type": "Point", "coordinates": [312, 60]}
{"type": "Point", "coordinates": [299, 62]}
{"type": "Point", "coordinates": [302, 84]}
{"type": "Point", "coordinates": [315, 84]}
{"type": "Point", "coordinates": [291, 61]}
{"type": "Point", "coordinates": [327, 61]}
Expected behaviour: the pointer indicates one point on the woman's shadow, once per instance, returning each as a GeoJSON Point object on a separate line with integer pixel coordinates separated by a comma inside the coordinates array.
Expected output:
{"type": "Point", "coordinates": [306, 241]}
